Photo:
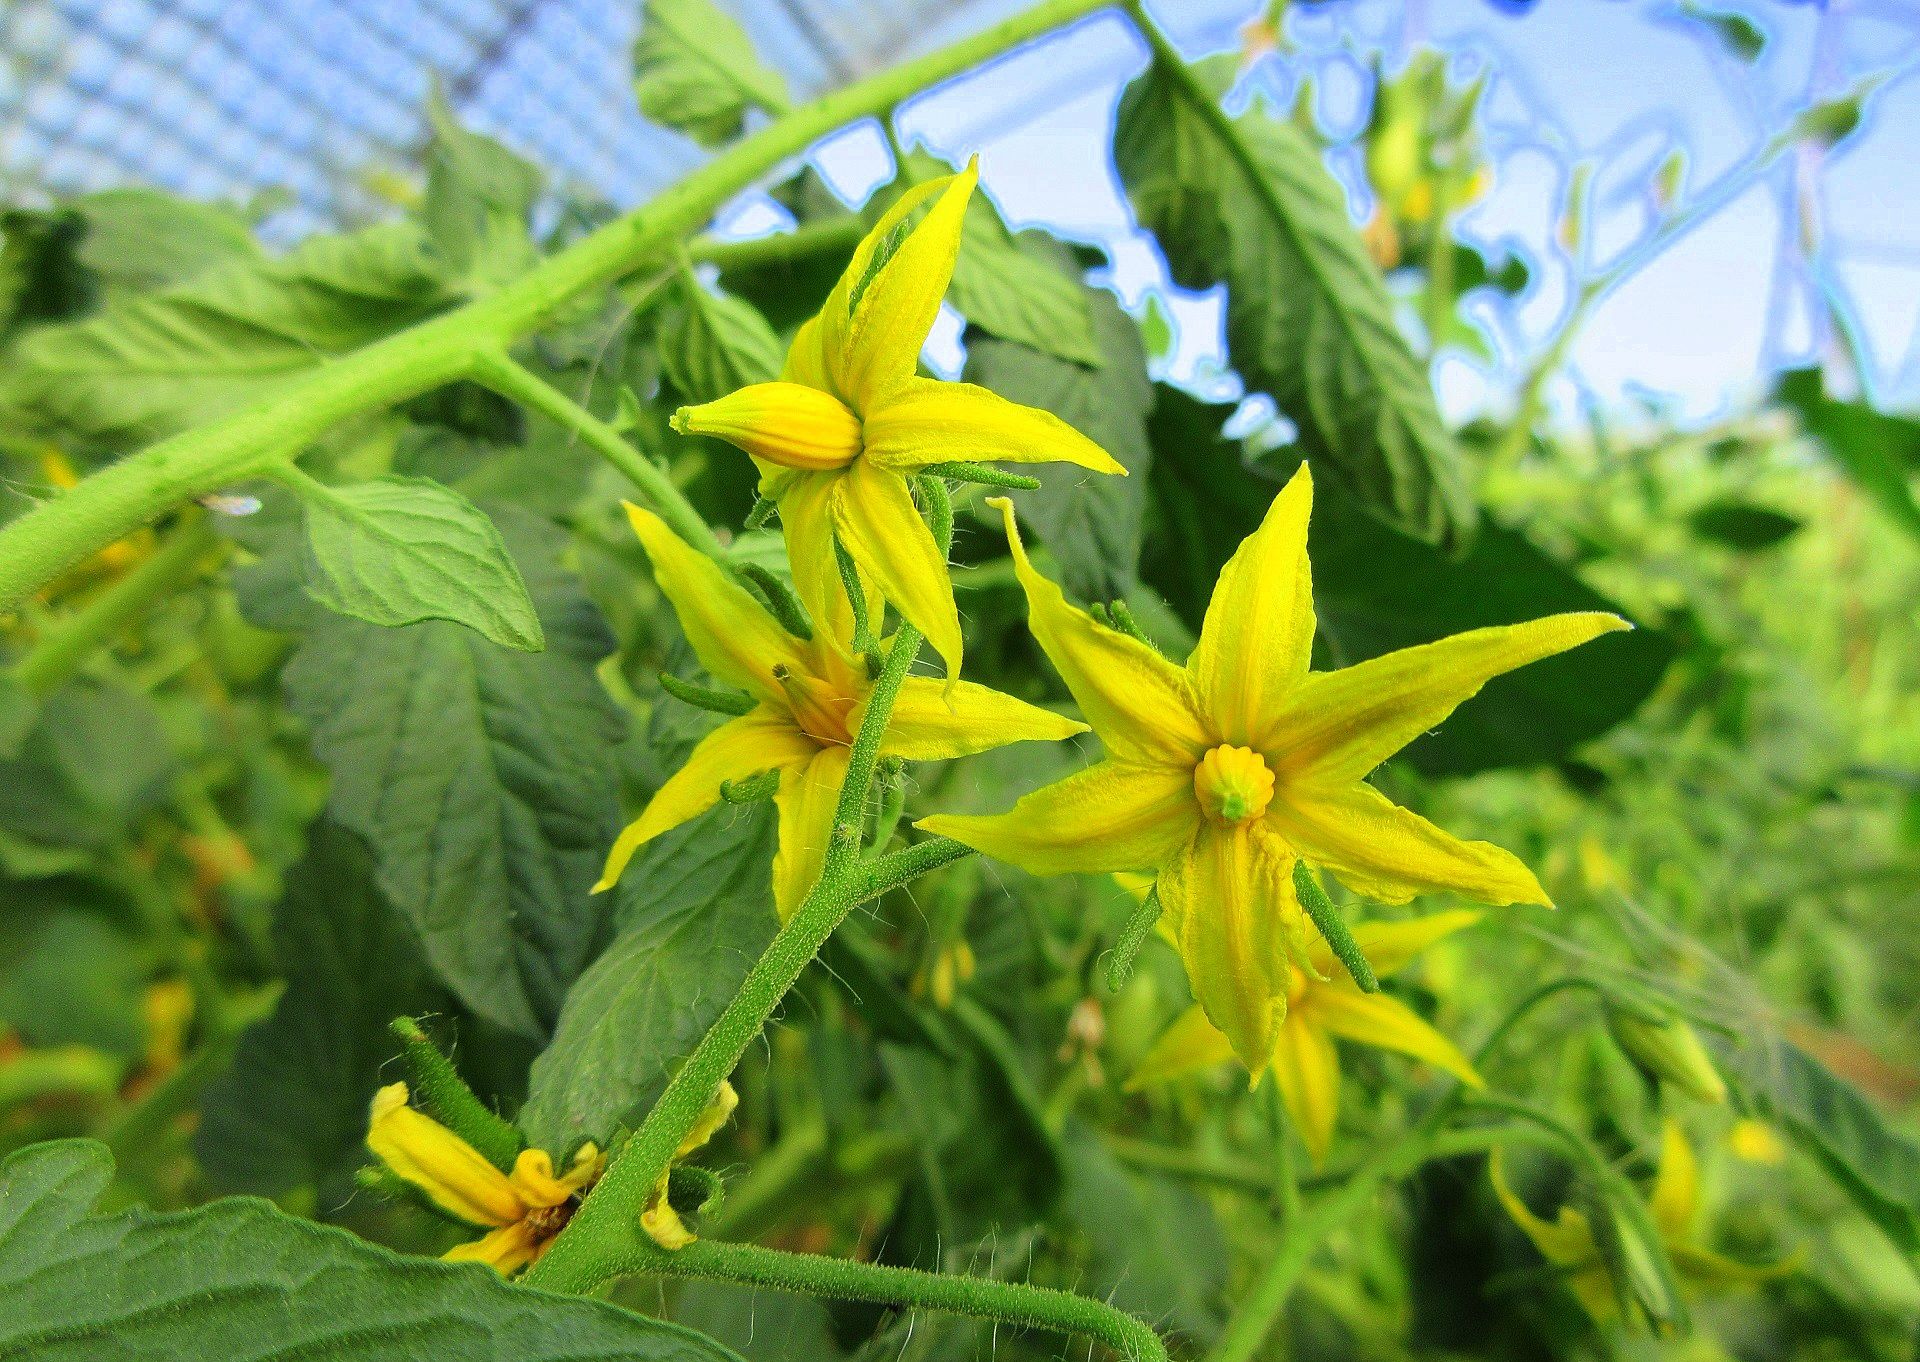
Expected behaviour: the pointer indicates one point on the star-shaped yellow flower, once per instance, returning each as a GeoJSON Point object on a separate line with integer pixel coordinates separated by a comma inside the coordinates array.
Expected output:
{"type": "Point", "coordinates": [850, 421]}
{"type": "Point", "coordinates": [1674, 1204]}
{"type": "Point", "coordinates": [1323, 1004]}
{"type": "Point", "coordinates": [811, 696]}
{"type": "Point", "coordinates": [1220, 775]}
{"type": "Point", "coordinates": [525, 1208]}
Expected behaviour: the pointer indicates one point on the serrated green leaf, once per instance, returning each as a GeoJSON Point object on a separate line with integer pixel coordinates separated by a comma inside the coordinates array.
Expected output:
{"type": "Point", "coordinates": [291, 1111]}
{"type": "Point", "coordinates": [1008, 287]}
{"type": "Point", "coordinates": [147, 366]}
{"type": "Point", "coordinates": [713, 343]}
{"type": "Point", "coordinates": [693, 913]}
{"type": "Point", "coordinates": [400, 550]}
{"type": "Point", "coordinates": [1879, 450]}
{"type": "Point", "coordinates": [1376, 589]}
{"type": "Point", "coordinates": [695, 70]}
{"type": "Point", "coordinates": [1090, 523]}
{"type": "Point", "coordinates": [240, 1279]}
{"type": "Point", "coordinates": [1309, 319]}
{"type": "Point", "coordinates": [479, 197]}
{"type": "Point", "coordinates": [481, 779]}
{"type": "Point", "coordinates": [141, 239]}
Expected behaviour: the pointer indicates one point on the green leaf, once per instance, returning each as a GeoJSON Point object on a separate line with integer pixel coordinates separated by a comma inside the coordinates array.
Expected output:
{"type": "Point", "coordinates": [478, 201]}
{"type": "Point", "coordinates": [1880, 451]}
{"type": "Point", "coordinates": [1009, 287]}
{"type": "Point", "coordinates": [695, 70]}
{"type": "Point", "coordinates": [291, 1111]}
{"type": "Point", "coordinates": [693, 912]}
{"type": "Point", "coordinates": [713, 343]}
{"type": "Point", "coordinates": [1309, 319]}
{"type": "Point", "coordinates": [68, 974]}
{"type": "Point", "coordinates": [400, 550]}
{"type": "Point", "coordinates": [1091, 522]}
{"type": "Point", "coordinates": [481, 779]}
{"type": "Point", "coordinates": [1741, 36]}
{"type": "Point", "coordinates": [1376, 590]}
{"type": "Point", "coordinates": [1742, 524]}
{"type": "Point", "coordinates": [1829, 1118]}
{"type": "Point", "coordinates": [147, 366]}
{"type": "Point", "coordinates": [240, 1279]}
{"type": "Point", "coordinates": [95, 759]}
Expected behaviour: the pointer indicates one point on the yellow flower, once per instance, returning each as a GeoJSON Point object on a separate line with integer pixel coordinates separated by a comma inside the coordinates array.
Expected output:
{"type": "Point", "coordinates": [811, 696]}
{"type": "Point", "coordinates": [850, 421]}
{"type": "Point", "coordinates": [525, 1208]}
{"type": "Point", "coordinates": [1323, 1005]}
{"type": "Point", "coordinates": [1222, 774]}
{"type": "Point", "coordinates": [1674, 1204]}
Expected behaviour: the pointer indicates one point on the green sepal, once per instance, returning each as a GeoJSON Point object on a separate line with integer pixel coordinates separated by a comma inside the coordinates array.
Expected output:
{"type": "Point", "coordinates": [694, 1191]}
{"type": "Point", "coordinates": [939, 509]}
{"type": "Point", "coordinates": [762, 512]}
{"type": "Point", "coordinates": [752, 789]}
{"type": "Point", "coordinates": [781, 600]}
{"type": "Point", "coordinates": [962, 471]}
{"type": "Point", "coordinates": [445, 1096]}
{"type": "Point", "coordinates": [719, 701]}
{"type": "Point", "coordinates": [1132, 937]}
{"type": "Point", "coordinates": [863, 641]}
{"type": "Point", "coordinates": [1333, 927]}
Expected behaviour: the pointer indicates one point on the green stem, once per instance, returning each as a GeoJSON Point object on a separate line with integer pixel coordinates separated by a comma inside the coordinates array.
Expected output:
{"type": "Point", "coordinates": [1036, 1307]}
{"type": "Point", "coordinates": [1185, 1163]}
{"type": "Point", "coordinates": [54, 659]}
{"type": "Point", "coordinates": [604, 1237]}
{"type": "Point", "coordinates": [834, 236]}
{"type": "Point", "coordinates": [897, 868]}
{"type": "Point", "coordinates": [38, 546]}
{"type": "Point", "coordinates": [446, 1097]}
{"type": "Point", "coordinates": [496, 370]}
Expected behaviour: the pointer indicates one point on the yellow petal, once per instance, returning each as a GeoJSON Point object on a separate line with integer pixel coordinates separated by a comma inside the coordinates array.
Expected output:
{"type": "Point", "coordinates": [1191, 1043]}
{"type": "Point", "coordinates": [1111, 816]}
{"type": "Point", "coordinates": [1139, 703]}
{"type": "Point", "coordinates": [1676, 1187]}
{"type": "Point", "coordinates": [817, 356]}
{"type": "Point", "coordinates": [453, 1174]}
{"type": "Point", "coordinates": [806, 521]}
{"type": "Point", "coordinates": [536, 1184]}
{"type": "Point", "coordinates": [506, 1250]}
{"type": "Point", "coordinates": [715, 1115]}
{"type": "Point", "coordinates": [1258, 635]}
{"type": "Point", "coordinates": [1712, 1269]}
{"type": "Point", "coordinates": [808, 795]}
{"type": "Point", "coordinates": [1567, 1242]}
{"type": "Point", "coordinates": [661, 1222]}
{"type": "Point", "coordinates": [1338, 726]}
{"type": "Point", "coordinates": [789, 424]}
{"type": "Point", "coordinates": [1388, 946]}
{"type": "Point", "coordinates": [894, 311]}
{"type": "Point", "coordinates": [882, 531]}
{"type": "Point", "coordinates": [929, 723]}
{"type": "Point", "coordinates": [731, 633]}
{"type": "Point", "coordinates": [925, 421]}
{"type": "Point", "coordinates": [1386, 1023]}
{"type": "Point", "coordinates": [1385, 853]}
{"type": "Point", "coordinates": [1229, 901]}
{"type": "Point", "coordinates": [1308, 1072]}
{"type": "Point", "coordinates": [765, 740]}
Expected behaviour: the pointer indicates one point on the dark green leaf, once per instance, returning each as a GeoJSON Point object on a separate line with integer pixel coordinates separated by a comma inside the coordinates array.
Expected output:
{"type": "Point", "coordinates": [240, 1279]}
{"type": "Point", "coordinates": [1737, 33]}
{"type": "Point", "coordinates": [1309, 319]}
{"type": "Point", "coordinates": [1879, 450]}
{"type": "Point", "coordinates": [1742, 525]}
{"type": "Point", "coordinates": [695, 69]}
{"type": "Point", "coordinates": [68, 974]}
{"type": "Point", "coordinates": [1090, 521]}
{"type": "Point", "coordinates": [693, 912]}
{"type": "Point", "coordinates": [1009, 287]}
{"type": "Point", "coordinates": [95, 759]}
{"type": "Point", "coordinates": [481, 779]}
{"type": "Point", "coordinates": [1376, 590]}
{"type": "Point", "coordinates": [292, 1110]}
{"type": "Point", "coordinates": [400, 550]}
{"type": "Point", "coordinates": [1878, 1167]}
{"type": "Point", "coordinates": [479, 196]}
{"type": "Point", "coordinates": [713, 343]}
{"type": "Point", "coordinates": [147, 366]}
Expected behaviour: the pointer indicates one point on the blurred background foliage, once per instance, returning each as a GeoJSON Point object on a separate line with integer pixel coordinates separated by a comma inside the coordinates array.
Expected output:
{"type": "Point", "coordinates": [240, 832]}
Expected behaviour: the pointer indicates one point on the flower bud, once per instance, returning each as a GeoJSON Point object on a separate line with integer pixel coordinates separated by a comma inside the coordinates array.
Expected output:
{"type": "Point", "coordinates": [1635, 1260]}
{"type": "Point", "coordinates": [1670, 1050]}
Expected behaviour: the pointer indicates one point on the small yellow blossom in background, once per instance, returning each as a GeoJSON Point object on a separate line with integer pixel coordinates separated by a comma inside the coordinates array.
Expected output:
{"type": "Point", "coordinates": [1324, 1004]}
{"type": "Point", "coordinates": [952, 965]}
{"type": "Point", "coordinates": [1754, 1141]}
{"type": "Point", "coordinates": [811, 698]}
{"type": "Point", "coordinates": [1674, 1203]}
{"type": "Point", "coordinates": [525, 1208]}
{"type": "Point", "coordinates": [661, 1222]}
{"type": "Point", "coordinates": [1221, 775]}
{"type": "Point", "coordinates": [850, 419]}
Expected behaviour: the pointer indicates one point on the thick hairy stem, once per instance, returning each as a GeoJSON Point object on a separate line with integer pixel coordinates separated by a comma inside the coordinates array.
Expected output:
{"type": "Point", "coordinates": [1036, 1307]}
{"type": "Point", "coordinates": [603, 1238]}
{"type": "Point", "coordinates": [47, 540]}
